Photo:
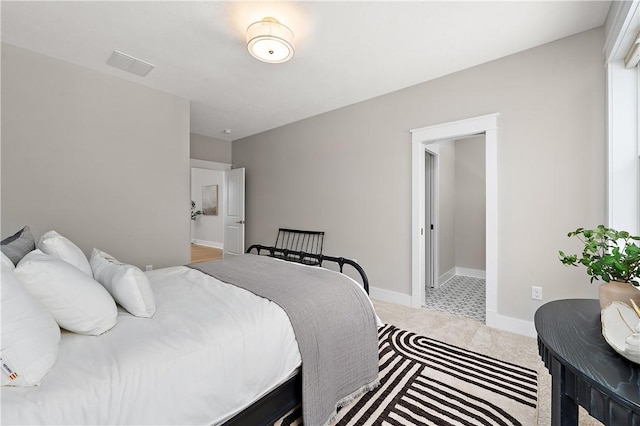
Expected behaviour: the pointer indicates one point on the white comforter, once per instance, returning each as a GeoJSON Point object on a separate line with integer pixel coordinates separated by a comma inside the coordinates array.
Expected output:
{"type": "Point", "coordinates": [209, 351]}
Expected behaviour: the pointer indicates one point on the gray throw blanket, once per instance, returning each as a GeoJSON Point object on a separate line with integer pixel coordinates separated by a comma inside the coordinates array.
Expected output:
{"type": "Point", "coordinates": [334, 324]}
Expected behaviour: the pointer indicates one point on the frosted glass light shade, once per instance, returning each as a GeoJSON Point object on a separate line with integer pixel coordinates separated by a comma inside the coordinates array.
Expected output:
{"type": "Point", "coordinates": [270, 41]}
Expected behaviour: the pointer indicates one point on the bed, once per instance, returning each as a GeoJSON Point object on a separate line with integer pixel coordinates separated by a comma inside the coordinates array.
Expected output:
{"type": "Point", "coordinates": [212, 353]}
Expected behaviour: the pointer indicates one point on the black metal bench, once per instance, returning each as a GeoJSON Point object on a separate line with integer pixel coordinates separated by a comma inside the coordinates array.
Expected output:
{"type": "Point", "coordinates": [310, 259]}
{"type": "Point", "coordinates": [310, 242]}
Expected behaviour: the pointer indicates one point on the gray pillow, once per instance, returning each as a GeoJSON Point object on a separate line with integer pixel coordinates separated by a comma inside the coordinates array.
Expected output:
{"type": "Point", "coordinates": [18, 245]}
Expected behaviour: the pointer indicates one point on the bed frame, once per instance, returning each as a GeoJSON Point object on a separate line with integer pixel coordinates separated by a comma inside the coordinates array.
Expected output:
{"type": "Point", "coordinates": [310, 258]}
{"type": "Point", "coordinates": [272, 406]}
{"type": "Point", "coordinates": [300, 240]}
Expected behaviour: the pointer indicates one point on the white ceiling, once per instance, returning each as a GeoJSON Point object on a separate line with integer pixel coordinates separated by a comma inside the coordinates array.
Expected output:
{"type": "Point", "coordinates": [346, 52]}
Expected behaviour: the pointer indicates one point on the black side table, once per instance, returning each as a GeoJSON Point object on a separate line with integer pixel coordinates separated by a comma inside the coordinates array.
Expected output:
{"type": "Point", "coordinates": [584, 369]}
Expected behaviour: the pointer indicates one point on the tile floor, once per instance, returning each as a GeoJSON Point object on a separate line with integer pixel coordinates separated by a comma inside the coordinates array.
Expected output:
{"type": "Point", "coordinates": [459, 296]}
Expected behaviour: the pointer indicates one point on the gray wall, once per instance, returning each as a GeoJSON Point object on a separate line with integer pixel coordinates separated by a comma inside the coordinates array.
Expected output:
{"type": "Point", "coordinates": [348, 172]}
{"type": "Point", "coordinates": [447, 207]}
{"type": "Point", "coordinates": [461, 237]}
{"type": "Point", "coordinates": [210, 149]}
{"type": "Point", "coordinates": [470, 204]}
{"type": "Point", "coordinates": [101, 160]}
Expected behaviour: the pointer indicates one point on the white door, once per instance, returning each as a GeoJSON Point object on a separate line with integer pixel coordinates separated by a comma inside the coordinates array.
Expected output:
{"type": "Point", "coordinates": [234, 212]}
{"type": "Point", "coordinates": [428, 221]}
{"type": "Point", "coordinates": [431, 209]}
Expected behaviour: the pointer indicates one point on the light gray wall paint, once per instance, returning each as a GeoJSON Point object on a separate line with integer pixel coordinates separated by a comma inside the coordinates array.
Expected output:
{"type": "Point", "coordinates": [461, 236]}
{"type": "Point", "coordinates": [210, 149]}
{"type": "Point", "coordinates": [348, 172]}
{"type": "Point", "coordinates": [101, 160]}
{"type": "Point", "coordinates": [447, 207]}
{"type": "Point", "coordinates": [470, 203]}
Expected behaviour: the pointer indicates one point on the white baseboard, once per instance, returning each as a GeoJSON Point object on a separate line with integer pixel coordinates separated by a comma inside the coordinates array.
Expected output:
{"type": "Point", "coordinates": [446, 276]}
{"type": "Point", "coordinates": [494, 320]}
{"type": "Point", "coordinates": [390, 296]}
{"type": "Point", "coordinates": [208, 243]}
{"type": "Point", "coordinates": [466, 272]}
{"type": "Point", "coordinates": [473, 273]}
{"type": "Point", "coordinates": [514, 325]}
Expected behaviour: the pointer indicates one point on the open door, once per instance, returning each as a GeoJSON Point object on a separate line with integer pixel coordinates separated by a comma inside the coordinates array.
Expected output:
{"type": "Point", "coordinates": [431, 209]}
{"type": "Point", "coordinates": [234, 212]}
{"type": "Point", "coordinates": [430, 280]}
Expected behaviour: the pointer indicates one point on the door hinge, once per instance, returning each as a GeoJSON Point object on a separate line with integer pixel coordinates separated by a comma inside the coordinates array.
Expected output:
{"type": "Point", "coordinates": [432, 226]}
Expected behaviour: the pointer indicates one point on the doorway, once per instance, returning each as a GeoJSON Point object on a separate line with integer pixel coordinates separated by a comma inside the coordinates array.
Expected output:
{"type": "Point", "coordinates": [455, 226]}
{"type": "Point", "coordinates": [423, 137]}
{"type": "Point", "coordinates": [221, 232]}
{"type": "Point", "coordinates": [207, 228]}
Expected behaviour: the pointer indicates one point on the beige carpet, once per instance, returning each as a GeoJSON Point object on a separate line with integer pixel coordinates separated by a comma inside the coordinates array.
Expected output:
{"type": "Point", "coordinates": [475, 336]}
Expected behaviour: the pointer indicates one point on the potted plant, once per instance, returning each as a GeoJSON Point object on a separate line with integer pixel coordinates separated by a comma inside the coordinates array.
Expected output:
{"type": "Point", "coordinates": [194, 212]}
{"type": "Point", "coordinates": [611, 256]}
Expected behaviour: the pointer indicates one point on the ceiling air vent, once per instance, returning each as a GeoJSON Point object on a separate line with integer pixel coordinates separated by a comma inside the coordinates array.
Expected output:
{"type": "Point", "coordinates": [129, 64]}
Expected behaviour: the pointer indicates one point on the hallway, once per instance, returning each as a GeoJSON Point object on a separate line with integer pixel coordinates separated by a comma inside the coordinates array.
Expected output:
{"type": "Point", "coordinates": [460, 295]}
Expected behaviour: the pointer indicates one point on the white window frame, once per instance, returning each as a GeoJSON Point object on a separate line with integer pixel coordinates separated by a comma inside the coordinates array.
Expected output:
{"type": "Point", "coordinates": [623, 144]}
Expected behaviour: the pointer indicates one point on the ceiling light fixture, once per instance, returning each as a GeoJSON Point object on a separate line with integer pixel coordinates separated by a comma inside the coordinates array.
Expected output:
{"type": "Point", "coordinates": [270, 41]}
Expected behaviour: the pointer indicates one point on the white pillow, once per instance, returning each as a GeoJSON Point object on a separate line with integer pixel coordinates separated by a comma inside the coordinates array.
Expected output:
{"type": "Point", "coordinates": [56, 245]}
{"type": "Point", "coordinates": [6, 262]}
{"type": "Point", "coordinates": [30, 335]}
{"type": "Point", "coordinates": [128, 285]}
{"type": "Point", "coordinates": [77, 303]}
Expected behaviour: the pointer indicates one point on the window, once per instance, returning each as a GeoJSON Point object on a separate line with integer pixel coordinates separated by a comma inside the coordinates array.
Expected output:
{"type": "Point", "coordinates": [623, 118]}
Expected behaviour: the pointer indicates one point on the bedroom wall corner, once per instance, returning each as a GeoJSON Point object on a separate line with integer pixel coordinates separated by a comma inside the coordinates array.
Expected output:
{"type": "Point", "coordinates": [348, 172]}
{"type": "Point", "coordinates": [210, 149]}
{"type": "Point", "coordinates": [102, 160]}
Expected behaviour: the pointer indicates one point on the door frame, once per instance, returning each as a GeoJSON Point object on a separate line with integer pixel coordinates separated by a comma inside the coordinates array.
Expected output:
{"type": "Point", "coordinates": [422, 137]}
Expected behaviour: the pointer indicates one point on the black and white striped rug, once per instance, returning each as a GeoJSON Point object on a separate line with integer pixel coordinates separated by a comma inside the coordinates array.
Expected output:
{"type": "Point", "coordinates": [428, 382]}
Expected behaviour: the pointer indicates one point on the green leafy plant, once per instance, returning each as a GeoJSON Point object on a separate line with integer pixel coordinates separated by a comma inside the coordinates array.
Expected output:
{"type": "Point", "coordinates": [194, 212]}
{"type": "Point", "coordinates": [608, 254]}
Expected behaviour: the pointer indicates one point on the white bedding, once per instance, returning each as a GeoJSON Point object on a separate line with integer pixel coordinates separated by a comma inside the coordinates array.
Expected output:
{"type": "Point", "coordinates": [210, 350]}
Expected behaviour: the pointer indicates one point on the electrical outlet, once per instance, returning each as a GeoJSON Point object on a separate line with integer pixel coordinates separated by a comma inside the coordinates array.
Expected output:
{"type": "Point", "coordinates": [536, 293]}
{"type": "Point", "coordinates": [148, 267]}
